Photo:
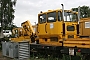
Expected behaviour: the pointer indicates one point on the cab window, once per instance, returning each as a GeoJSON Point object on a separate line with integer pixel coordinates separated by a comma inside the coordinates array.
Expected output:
{"type": "Point", "coordinates": [42, 18]}
{"type": "Point", "coordinates": [59, 16]}
{"type": "Point", "coordinates": [51, 17]}
{"type": "Point", "coordinates": [70, 28]}
{"type": "Point", "coordinates": [68, 16]}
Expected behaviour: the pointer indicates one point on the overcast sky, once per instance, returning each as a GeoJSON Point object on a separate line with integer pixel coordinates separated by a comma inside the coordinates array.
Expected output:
{"type": "Point", "coordinates": [29, 9]}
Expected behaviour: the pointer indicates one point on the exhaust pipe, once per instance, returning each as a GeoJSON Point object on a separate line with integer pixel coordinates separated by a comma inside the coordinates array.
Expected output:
{"type": "Point", "coordinates": [62, 11]}
{"type": "Point", "coordinates": [78, 14]}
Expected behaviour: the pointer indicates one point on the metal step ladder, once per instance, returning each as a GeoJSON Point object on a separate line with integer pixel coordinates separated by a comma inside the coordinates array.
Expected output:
{"type": "Point", "coordinates": [23, 51]}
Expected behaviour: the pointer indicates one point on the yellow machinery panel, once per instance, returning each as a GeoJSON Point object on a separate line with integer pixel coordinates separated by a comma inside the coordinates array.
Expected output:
{"type": "Point", "coordinates": [41, 29]}
{"type": "Point", "coordinates": [50, 30]}
{"type": "Point", "coordinates": [71, 29]}
{"type": "Point", "coordinates": [78, 42]}
{"type": "Point", "coordinates": [54, 28]}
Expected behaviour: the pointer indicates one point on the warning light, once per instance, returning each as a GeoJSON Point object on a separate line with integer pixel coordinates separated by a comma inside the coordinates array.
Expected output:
{"type": "Point", "coordinates": [79, 50]}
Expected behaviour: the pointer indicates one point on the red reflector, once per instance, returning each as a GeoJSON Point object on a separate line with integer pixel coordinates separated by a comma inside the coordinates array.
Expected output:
{"type": "Point", "coordinates": [43, 47]}
{"type": "Point", "coordinates": [79, 50]}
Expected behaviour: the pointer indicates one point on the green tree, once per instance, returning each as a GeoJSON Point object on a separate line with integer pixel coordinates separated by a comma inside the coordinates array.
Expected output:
{"type": "Point", "coordinates": [84, 11]}
{"type": "Point", "coordinates": [10, 27]}
{"type": "Point", "coordinates": [6, 13]}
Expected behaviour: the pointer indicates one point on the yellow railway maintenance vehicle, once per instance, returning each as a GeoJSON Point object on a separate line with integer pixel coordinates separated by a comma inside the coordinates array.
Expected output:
{"type": "Point", "coordinates": [55, 26]}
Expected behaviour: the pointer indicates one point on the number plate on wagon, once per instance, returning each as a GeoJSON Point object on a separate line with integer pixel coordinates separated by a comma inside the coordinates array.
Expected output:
{"type": "Point", "coordinates": [71, 51]}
